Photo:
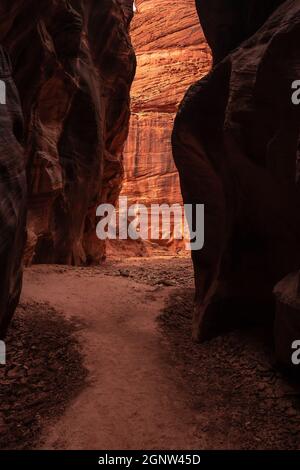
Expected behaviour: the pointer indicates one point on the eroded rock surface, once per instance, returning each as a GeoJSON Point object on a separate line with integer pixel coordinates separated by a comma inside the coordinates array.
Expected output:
{"type": "Point", "coordinates": [171, 54]}
{"type": "Point", "coordinates": [73, 65]}
{"type": "Point", "coordinates": [235, 144]}
{"type": "Point", "coordinates": [12, 195]}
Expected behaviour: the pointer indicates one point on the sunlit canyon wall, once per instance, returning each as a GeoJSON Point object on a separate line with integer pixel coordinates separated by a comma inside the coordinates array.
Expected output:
{"type": "Point", "coordinates": [171, 54]}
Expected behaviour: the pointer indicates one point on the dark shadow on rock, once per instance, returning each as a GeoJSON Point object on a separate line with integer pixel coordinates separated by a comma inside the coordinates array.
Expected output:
{"type": "Point", "coordinates": [234, 384]}
{"type": "Point", "coordinates": [44, 371]}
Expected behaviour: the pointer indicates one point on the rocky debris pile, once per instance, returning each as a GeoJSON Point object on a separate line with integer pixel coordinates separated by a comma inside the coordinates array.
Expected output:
{"type": "Point", "coordinates": [237, 390]}
{"type": "Point", "coordinates": [44, 371]}
{"type": "Point", "coordinates": [158, 272]}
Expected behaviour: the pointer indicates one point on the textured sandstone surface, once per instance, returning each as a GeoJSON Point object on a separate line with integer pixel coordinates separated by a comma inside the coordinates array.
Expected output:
{"type": "Point", "coordinates": [12, 196]}
{"type": "Point", "coordinates": [73, 65]}
{"type": "Point", "coordinates": [171, 54]}
{"type": "Point", "coordinates": [235, 144]}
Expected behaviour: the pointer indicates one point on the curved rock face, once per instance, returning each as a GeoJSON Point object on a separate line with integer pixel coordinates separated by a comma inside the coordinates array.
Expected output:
{"type": "Point", "coordinates": [171, 54]}
{"type": "Point", "coordinates": [73, 66]}
{"type": "Point", "coordinates": [227, 24]}
{"type": "Point", "coordinates": [12, 195]}
{"type": "Point", "coordinates": [235, 143]}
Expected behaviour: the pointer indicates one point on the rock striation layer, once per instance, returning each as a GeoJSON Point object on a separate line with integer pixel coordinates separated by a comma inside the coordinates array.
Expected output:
{"type": "Point", "coordinates": [12, 195]}
{"type": "Point", "coordinates": [73, 66]}
{"type": "Point", "coordinates": [235, 143]}
{"type": "Point", "coordinates": [171, 54]}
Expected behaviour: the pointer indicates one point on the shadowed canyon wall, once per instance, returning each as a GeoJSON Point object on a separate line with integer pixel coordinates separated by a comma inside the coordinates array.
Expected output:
{"type": "Point", "coordinates": [12, 196]}
{"type": "Point", "coordinates": [235, 143]}
{"type": "Point", "coordinates": [73, 65]}
{"type": "Point", "coordinates": [171, 54]}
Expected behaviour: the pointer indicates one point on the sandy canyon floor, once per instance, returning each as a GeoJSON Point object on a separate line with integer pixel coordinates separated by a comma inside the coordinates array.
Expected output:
{"type": "Point", "coordinates": [102, 358]}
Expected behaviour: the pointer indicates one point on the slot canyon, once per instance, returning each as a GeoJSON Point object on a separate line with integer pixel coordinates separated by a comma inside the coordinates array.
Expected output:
{"type": "Point", "coordinates": [142, 344]}
{"type": "Point", "coordinates": [170, 57]}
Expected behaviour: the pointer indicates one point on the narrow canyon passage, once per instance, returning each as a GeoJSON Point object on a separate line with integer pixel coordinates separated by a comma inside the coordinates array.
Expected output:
{"type": "Point", "coordinates": [163, 105]}
{"type": "Point", "coordinates": [132, 399]}
{"type": "Point", "coordinates": [147, 384]}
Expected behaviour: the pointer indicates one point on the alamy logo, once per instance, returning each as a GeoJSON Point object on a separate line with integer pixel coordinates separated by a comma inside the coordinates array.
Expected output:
{"type": "Point", "coordinates": [296, 354]}
{"type": "Point", "coordinates": [2, 353]}
{"type": "Point", "coordinates": [296, 93]}
{"type": "Point", "coordinates": [2, 92]}
{"type": "Point", "coordinates": [159, 221]}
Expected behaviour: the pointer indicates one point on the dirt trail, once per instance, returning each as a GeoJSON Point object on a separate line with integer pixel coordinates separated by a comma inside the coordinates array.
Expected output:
{"type": "Point", "coordinates": [148, 385]}
{"type": "Point", "coordinates": [134, 398]}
